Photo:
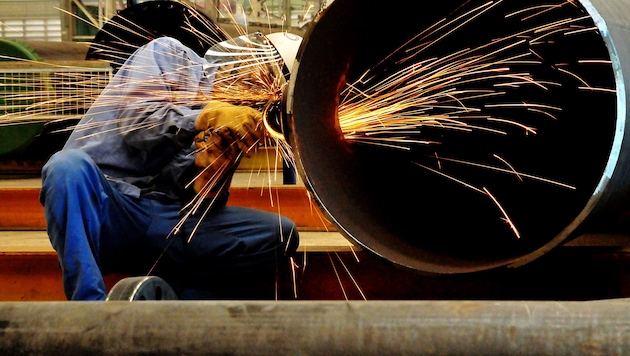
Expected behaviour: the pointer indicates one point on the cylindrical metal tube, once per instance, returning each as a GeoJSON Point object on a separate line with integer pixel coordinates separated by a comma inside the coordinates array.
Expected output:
{"type": "Point", "coordinates": [508, 184]}
{"type": "Point", "coordinates": [315, 328]}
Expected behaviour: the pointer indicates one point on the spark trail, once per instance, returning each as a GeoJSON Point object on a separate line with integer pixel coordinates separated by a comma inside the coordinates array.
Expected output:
{"type": "Point", "coordinates": [249, 74]}
{"type": "Point", "coordinates": [412, 90]}
{"type": "Point", "coordinates": [409, 93]}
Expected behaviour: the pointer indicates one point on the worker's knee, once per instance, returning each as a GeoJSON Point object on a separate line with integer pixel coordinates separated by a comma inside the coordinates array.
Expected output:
{"type": "Point", "coordinates": [65, 171]}
{"type": "Point", "coordinates": [66, 163]}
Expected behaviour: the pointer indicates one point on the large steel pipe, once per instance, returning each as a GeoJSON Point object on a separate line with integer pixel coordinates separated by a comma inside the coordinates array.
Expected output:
{"type": "Point", "coordinates": [315, 328]}
{"type": "Point", "coordinates": [433, 208]}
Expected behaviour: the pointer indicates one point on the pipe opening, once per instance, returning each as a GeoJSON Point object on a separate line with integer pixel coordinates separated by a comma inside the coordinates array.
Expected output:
{"type": "Point", "coordinates": [510, 126]}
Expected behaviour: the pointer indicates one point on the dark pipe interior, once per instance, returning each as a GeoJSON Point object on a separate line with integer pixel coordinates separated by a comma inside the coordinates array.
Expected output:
{"type": "Point", "coordinates": [412, 216]}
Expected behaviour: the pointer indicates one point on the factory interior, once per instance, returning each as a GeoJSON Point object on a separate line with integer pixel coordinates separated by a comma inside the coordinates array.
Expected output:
{"type": "Point", "coordinates": [459, 174]}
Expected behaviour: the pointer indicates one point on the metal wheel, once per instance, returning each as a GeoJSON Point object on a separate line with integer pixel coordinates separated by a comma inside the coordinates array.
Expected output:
{"type": "Point", "coordinates": [141, 288]}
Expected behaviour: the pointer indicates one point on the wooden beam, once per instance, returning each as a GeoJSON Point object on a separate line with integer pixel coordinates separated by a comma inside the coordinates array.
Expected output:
{"type": "Point", "coordinates": [37, 242]}
{"type": "Point", "coordinates": [21, 209]}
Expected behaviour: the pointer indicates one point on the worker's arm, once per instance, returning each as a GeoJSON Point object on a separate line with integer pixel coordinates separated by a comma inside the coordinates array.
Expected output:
{"type": "Point", "coordinates": [157, 98]}
{"type": "Point", "coordinates": [227, 132]}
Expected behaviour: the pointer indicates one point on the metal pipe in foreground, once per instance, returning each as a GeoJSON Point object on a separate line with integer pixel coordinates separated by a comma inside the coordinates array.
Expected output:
{"type": "Point", "coordinates": [330, 327]}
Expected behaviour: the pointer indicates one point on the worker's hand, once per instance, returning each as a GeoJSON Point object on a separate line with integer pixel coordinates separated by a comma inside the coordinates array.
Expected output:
{"type": "Point", "coordinates": [216, 159]}
{"type": "Point", "coordinates": [239, 124]}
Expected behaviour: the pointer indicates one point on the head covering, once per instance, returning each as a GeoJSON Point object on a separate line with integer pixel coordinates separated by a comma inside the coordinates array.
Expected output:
{"type": "Point", "coordinates": [287, 44]}
{"type": "Point", "coordinates": [255, 50]}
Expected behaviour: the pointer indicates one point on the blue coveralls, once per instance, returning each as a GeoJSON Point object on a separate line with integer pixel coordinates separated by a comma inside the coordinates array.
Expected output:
{"type": "Point", "coordinates": [115, 191]}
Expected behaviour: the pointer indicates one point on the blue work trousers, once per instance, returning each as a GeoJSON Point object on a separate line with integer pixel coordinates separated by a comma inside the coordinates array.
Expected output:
{"type": "Point", "coordinates": [97, 230]}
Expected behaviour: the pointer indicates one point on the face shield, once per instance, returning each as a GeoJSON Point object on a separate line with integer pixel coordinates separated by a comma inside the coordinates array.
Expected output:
{"type": "Point", "coordinates": [253, 70]}
{"type": "Point", "coordinates": [246, 69]}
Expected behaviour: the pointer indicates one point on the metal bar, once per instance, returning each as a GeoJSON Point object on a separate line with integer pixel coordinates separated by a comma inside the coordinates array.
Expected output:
{"type": "Point", "coordinates": [349, 328]}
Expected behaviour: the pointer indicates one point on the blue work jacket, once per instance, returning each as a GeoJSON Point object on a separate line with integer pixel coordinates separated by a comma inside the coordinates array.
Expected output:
{"type": "Point", "coordinates": [140, 129]}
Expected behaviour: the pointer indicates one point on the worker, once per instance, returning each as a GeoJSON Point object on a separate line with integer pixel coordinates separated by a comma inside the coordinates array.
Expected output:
{"type": "Point", "coordinates": [117, 196]}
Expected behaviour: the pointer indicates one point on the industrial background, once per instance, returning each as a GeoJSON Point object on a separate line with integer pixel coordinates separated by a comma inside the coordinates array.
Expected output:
{"type": "Point", "coordinates": [434, 273]}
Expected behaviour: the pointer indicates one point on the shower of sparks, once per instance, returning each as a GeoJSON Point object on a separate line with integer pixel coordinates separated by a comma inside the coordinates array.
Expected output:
{"type": "Point", "coordinates": [388, 106]}
{"type": "Point", "coordinates": [408, 99]}
{"type": "Point", "coordinates": [46, 91]}
{"type": "Point", "coordinates": [380, 111]}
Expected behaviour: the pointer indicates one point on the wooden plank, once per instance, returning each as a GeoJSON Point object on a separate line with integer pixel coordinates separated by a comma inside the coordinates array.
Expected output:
{"type": "Point", "coordinates": [30, 278]}
{"type": "Point", "coordinates": [22, 242]}
{"type": "Point", "coordinates": [36, 243]}
{"type": "Point", "coordinates": [29, 268]}
{"type": "Point", "coordinates": [293, 203]}
{"type": "Point", "coordinates": [571, 274]}
{"type": "Point", "coordinates": [314, 241]}
{"type": "Point", "coordinates": [35, 277]}
{"type": "Point", "coordinates": [20, 208]}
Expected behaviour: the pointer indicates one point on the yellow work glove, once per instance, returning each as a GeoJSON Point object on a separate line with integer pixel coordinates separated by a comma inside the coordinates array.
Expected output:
{"type": "Point", "coordinates": [226, 133]}
{"type": "Point", "coordinates": [233, 123]}
{"type": "Point", "coordinates": [216, 160]}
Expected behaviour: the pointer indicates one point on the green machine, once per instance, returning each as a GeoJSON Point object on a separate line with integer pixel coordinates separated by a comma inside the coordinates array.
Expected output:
{"type": "Point", "coordinates": [45, 88]}
{"type": "Point", "coordinates": [15, 135]}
